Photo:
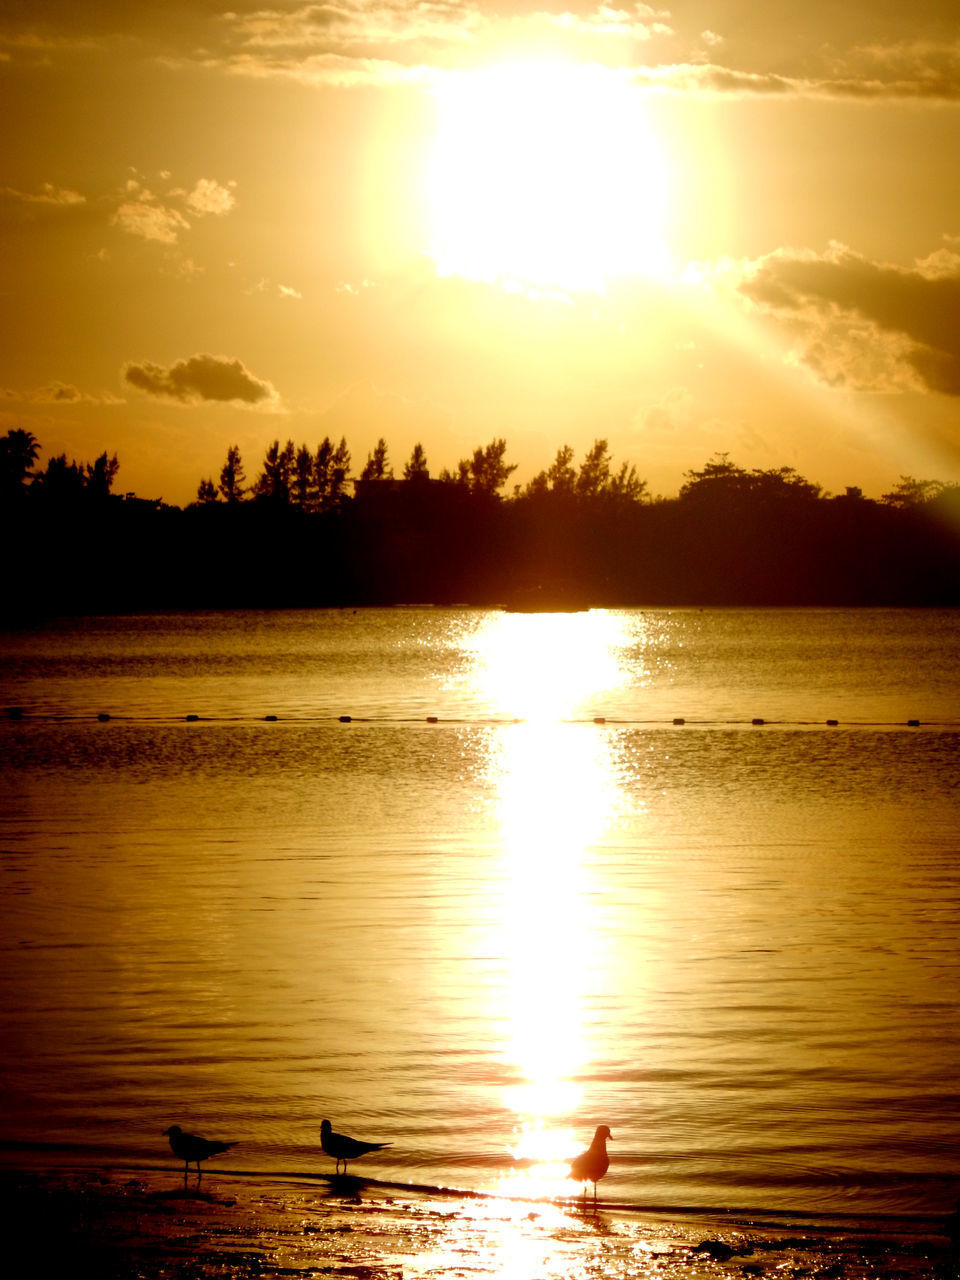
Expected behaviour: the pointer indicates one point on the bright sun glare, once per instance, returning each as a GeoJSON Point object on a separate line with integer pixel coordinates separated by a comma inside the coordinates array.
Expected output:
{"type": "Point", "coordinates": [546, 175]}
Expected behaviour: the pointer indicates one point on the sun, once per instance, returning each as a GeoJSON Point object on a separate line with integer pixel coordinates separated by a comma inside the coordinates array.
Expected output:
{"type": "Point", "coordinates": [546, 174]}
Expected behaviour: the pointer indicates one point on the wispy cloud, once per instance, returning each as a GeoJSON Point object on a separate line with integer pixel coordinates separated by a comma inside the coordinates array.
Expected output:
{"type": "Point", "coordinates": [198, 379]}
{"type": "Point", "coordinates": [636, 22]}
{"type": "Point", "coordinates": [62, 393]}
{"type": "Point", "coordinates": [330, 70]}
{"type": "Point", "coordinates": [266, 286]}
{"type": "Point", "coordinates": [711, 79]}
{"type": "Point", "coordinates": [355, 23]}
{"type": "Point", "coordinates": [351, 42]}
{"type": "Point", "coordinates": [49, 194]}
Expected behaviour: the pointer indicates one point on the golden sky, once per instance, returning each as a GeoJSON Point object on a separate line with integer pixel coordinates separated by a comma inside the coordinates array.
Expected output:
{"type": "Point", "coordinates": [721, 226]}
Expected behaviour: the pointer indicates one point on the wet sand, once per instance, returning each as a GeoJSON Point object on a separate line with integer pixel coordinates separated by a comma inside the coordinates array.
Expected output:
{"type": "Point", "coordinates": [120, 1224]}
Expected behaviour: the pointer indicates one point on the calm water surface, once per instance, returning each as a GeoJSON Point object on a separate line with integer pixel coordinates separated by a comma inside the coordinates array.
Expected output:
{"type": "Point", "coordinates": [736, 944]}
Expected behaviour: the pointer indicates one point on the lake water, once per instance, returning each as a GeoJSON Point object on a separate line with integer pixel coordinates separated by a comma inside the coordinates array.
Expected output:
{"type": "Point", "coordinates": [479, 937]}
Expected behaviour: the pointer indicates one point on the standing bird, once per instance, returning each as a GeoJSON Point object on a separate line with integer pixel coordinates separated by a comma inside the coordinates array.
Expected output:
{"type": "Point", "coordinates": [190, 1147]}
{"type": "Point", "coordinates": [592, 1164]}
{"type": "Point", "coordinates": [343, 1148]}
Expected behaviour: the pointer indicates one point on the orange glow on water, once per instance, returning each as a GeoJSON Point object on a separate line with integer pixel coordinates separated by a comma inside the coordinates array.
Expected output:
{"type": "Point", "coordinates": [555, 798]}
{"type": "Point", "coordinates": [548, 666]}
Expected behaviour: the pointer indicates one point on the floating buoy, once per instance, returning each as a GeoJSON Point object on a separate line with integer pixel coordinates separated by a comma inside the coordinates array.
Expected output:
{"type": "Point", "coordinates": [192, 717]}
{"type": "Point", "coordinates": [102, 717]}
{"type": "Point", "coordinates": [269, 717]}
{"type": "Point", "coordinates": [757, 720]}
{"type": "Point", "coordinates": [914, 724]}
{"type": "Point", "coordinates": [431, 719]}
{"type": "Point", "coordinates": [833, 722]}
{"type": "Point", "coordinates": [345, 719]}
{"type": "Point", "coordinates": [679, 720]}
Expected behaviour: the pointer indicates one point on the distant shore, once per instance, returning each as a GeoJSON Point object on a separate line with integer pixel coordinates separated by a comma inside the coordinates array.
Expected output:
{"type": "Point", "coordinates": [117, 1224]}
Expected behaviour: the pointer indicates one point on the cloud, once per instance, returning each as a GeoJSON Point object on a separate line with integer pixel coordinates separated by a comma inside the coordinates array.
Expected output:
{"type": "Point", "coordinates": [639, 22]}
{"type": "Point", "coordinates": [49, 203]}
{"type": "Point", "coordinates": [266, 286]}
{"type": "Point", "coordinates": [200, 378]}
{"type": "Point", "coordinates": [353, 42]}
{"type": "Point", "coordinates": [49, 194]}
{"type": "Point", "coordinates": [713, 80]}
{"type": "Point", "coordinates": [863, 324]}
{"type": "Point", "coordinates": [144, 215]}
{"type": "Point", "coordinates": [918, 60]}
{"type": "Point", "coordinates": [331, 70]}
{"type": "Point", "coordinates": [391, 42]}
{"type": "Point", "coordinates": [159, 218]}
{"type": "Point", "coordinates": [209, 196]}
{"type": "Point", "coordinates": [345, 23]}
{"type": "Point", "coordinates": [59, 393]}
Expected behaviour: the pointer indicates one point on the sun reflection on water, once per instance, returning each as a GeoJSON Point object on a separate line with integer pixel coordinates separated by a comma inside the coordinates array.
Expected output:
{"type": "Point", "coordinates": [548, 666]}
{"type": "Point", "coordinates": [556, 795]}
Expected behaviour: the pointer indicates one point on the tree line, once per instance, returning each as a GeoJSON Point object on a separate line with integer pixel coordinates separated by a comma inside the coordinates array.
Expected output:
{"type": "Point", "coordinates": [317, 479]}
{"type": "Point", "coordinates": [304, 531]}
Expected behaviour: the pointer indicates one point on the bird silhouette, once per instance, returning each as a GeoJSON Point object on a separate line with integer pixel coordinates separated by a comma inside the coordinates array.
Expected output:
{"type": "Point", "coordinates": [190, 1147]}
{"type": "Point", "coordinates": [592, 1164]}
{"type": "Point", "coordinates": [343, 1148]}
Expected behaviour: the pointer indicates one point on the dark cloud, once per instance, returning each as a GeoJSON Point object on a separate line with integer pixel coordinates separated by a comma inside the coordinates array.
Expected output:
{"type": "Point", "coordinates": [200, 378]}
{"type": "Point", "coordinates": [918, 308]}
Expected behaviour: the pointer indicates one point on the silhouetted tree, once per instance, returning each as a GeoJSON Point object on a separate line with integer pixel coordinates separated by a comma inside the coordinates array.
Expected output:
{"type": "Point", "coordinates": [100, 475]}
{"type": "Point", "coordinates": [559, 478]}
{"type": "Point", "coordinates": [60, 481]}
{"type": "Point", "coordinates": [459, 477]}
{"type": "Point", "coordinates": [594, 471]}
{"type": "Point", "coordinates": [273, 483]}
{"type": "Point", "coordinates": [322, 461]}
{"type": "Point", "coordinates": [912, 493]}
{"type": "Point", "coordinates": [416, 468]}
{"type": "Point", "coordinates": [339, 474]}
{"type": "Point", "coordinates": [587, 534]}
{"type": "Point", "coordinates": [304, 486]}
{"type": "Point", "coordinates": [485, 472]}
{"type": "Point", "coordinates": [376, 466]}
{"type": "Point", "coordinates": [781, 483]}
{"type": "Point", "coordinates": [720, 478]}
{"type": "Point", "coordinates": [627, 485]}
{"type": "Point", "coordinates": [232, 476]}
{"type": "Point", "coordinates": [18, 454]}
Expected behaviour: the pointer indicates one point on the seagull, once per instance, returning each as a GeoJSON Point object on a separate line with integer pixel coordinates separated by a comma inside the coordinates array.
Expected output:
{"type": "Point", "coordinates": [592, 1164]}
{"type": "Point", "coordinates": [189, 1146]}
{"type": "Point", "coordinates": [343, 1148]}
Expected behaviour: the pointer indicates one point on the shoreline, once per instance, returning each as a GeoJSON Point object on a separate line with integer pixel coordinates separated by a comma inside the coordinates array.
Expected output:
{"type": "Point", "coordinates": [117, 1223]}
